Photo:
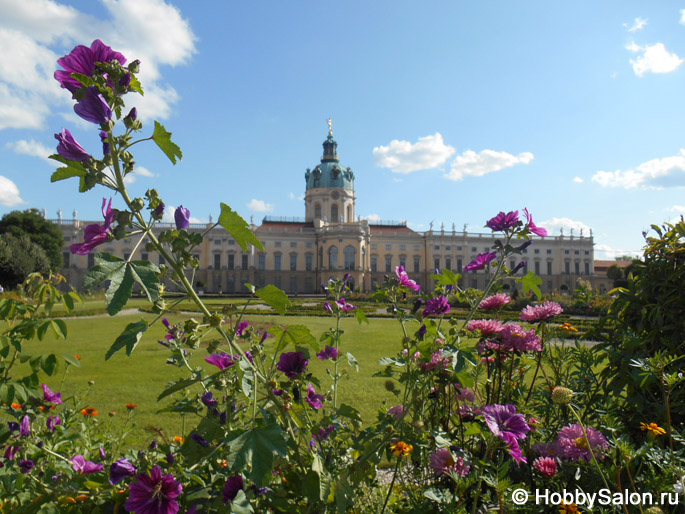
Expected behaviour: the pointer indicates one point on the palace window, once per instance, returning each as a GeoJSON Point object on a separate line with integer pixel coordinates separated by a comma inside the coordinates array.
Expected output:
{"type": "Point", "coordinates": [217, 261]}
{"type": "Point", "coordinates": [349, 254]}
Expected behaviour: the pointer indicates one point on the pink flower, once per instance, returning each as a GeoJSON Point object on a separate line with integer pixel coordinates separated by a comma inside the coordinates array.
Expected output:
{"type": "Point", "coordinates": [313, 399]}
{"type": "Point", "coordinates": [481, 260]}
{"type": "Point", "coordinates": [442, 461]}
{"type": "Point", "coordinates": [546, 465]}
{"type": "Point", "coordinates": [405, 280]}
{"type": "Point", "coordinates": [532, 226]}
{"type": "Point", "coordinates": [85, 466]}
{"type": "Point", "coordinates": [437, 362]}
{"type": "Point", "coordinates": [495, 301]}
{"type": "Point", "coordinates": [573, 445]}
{"type": "Point", "coordinates": [396, 410]}
{"type": "Point", "coordinates": [465, 394]}
{"type": "Point", "coordinates": [487, 327]}
{"type": "Point", "coordinates": [95, 235]}
{"type": "Point", "coordinates": [541, 312]}
{"type": "Point", "coordinates": [515, 337]}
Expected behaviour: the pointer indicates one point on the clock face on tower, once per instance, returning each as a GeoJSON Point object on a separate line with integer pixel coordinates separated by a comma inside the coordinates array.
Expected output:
{"type": "Point", "coordinates": [335, 195]}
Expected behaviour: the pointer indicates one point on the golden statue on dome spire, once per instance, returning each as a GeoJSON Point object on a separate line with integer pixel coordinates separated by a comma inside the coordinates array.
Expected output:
{"type": "Point", "coordinates": [330, 127]}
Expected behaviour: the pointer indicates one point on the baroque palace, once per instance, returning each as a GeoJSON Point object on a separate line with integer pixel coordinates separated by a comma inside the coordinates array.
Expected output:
{"type": "Point", "coordinates": [302, 253]}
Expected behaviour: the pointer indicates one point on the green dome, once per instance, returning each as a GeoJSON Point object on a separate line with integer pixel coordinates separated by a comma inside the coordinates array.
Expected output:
{"type": "Point", "coordinates": [330, 173]}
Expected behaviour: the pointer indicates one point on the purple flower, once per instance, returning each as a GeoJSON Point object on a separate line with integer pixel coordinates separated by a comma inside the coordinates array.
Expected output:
{"type": "Point", "coordinates": [95, 235]}
{"type": "Point", "coordinates": [313, 399]}
{"type": "Point", "coordinates": [532, 226]}
{"type": "Point", "coordinates": [25, 427]}
{"type": "Point", "coordinates": [264, 336]}
{"type": "Point", "coordinates": [436, 306]}
{"type": "Point", "coordinates": [208, 399]}
{"type": "Point", "coordinates": [329, 352]}
{"type": "Point", "coordinates": [120, 470]}
{"type": "Point", "coordinates": [159, 210]}
{"type": "Point", "coordinates": [505, 423]}
{"type": "Point", "coordinates": [93, 107]}
{"type": "Point", "coordinates": [442, 461]}
{"type": "Point", "coordinates": [82, 60]}
{"type": "Point", "coordinates": [343, 305]}
{"type": "Point", "coordinates": [222, 360]}
{"type": "Point", "coordinates": [132, 114]}
{"type": "Point", "coordinates": [405, 280]}
{"type": "Point", "coordinates": [242, 326]}
{"type": "Point", "coordinates": [13, 426]}
{"type": "Point", "coordinates": [572, 443]}
{"type": "Point", "coordinates": [422, 331]}
{"type": "Point", "coordinates": [49, 396]}
{"type": "Point", "coordinates": [396, 411]}
{"type": "Point", "coordinates": [481, 260]}
{"type": "Point", "coordinates": [26, 466]}
{"type": "Point", "coordinates": [327, 306]}
{"type": "Point", "coordinates": [199, 440]}
{"type": "Point", "coordinates": [69, 148]}
{"type": "Point", "coordinates": [103, 455]}
{"type": "Point", "coordinates": [503, 222]}
{"type": "Point", "coordinates": [154, 493]}
{"type": "Point", "coordinates": [105, 142]}
{"type": "Point", "coordinates": [182, 217]}
{"type": "Point", "coordinates": [10, 452]}
{"type": "Point", "coordinates": [541, 312]}
{"type": "Point", "coordinates": [84, 466]}
{"type": "Point", "coordinates": [231, 488]}
{"type": "Point", "coordinates": [292, 364]}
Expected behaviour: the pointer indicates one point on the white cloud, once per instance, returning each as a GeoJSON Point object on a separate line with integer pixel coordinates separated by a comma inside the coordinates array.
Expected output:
{"type": "Point", "coordinates": [138, 171]}
{"type": "Point", "coordinates": [578, 180]}
{"type": "Point", "coordinates": [677, 208]}
{"type": "Point", "coordinates": [373, 218]}
{"type": "Point", "coordinates": [654, 174]}
{"type": "Point", "coordinates": [259, 206]}
{"type": "Point", "coordinates": [34, 33]}
{"type": "Point", "coordinates": [682, 16]}
{"type": "Point", "coordinates": [32, 148]}
{"type": "Point", "coordinates": [293, 196]}
{"type": "Point", "coordinates": [638, 24]}
{"type": "Point", "coordinates": [487, 161]}
{"type": "Point", "coordinates": [9, 193]}
{"type": "Point", "coordinates": [609, 253]}
{"type": "Point", "coordinates": [404, 157]}
{"type": "Point", "coordinates": [555, 225]}
{"type": "Point", "coordinates": [654, 59]}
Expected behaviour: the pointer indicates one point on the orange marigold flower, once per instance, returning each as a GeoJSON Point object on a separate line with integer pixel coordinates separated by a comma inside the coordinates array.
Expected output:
{"type": "Point", "coordinates": [224, 463]}
{"type": "Point", "coordinates": [653, 429]}
{"type": "Point", "coordinates": [89, 411]}
{"type": "Point", "coordinates": [401, 449]}
{"type": "Point", "coordinates": [131, 406]}
{"type": "Point", "coordinates": [568, 508]}
{"type": "Point", "coordinates": [77, 356]}
{"type": "Point", "coordinates": [15, 406]}
{"type": "Point", "coordinates": [81, 497]}
{"type": "Point", "coordinates": [568, 327]}
{"type": "Point", "coordinates": [179, 439]}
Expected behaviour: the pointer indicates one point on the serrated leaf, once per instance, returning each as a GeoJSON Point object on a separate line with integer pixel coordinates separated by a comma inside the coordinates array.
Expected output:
{"type": "Point", "coordinates": [128, 339]}
{"type": "Point", "coordinates": [531, 282]}
{"type": "Point", "coordinates": [135, 86]}
{"type": "Point", "coordinates": [256, 447]}
{"type": "Point", "coordinates": [118, 272]}
{"type": "Point", "coordinates": [145, 273]}
{"type": "Point", "coordinates": [163, 140]}
{"type": "Point", "coordinates": [275, 298]}
{"type": "Point", "coordinates": [361, 317]}
{"type": "Point", "coordinates": [296, 335]}
{"type": "Point", "coordinates": [349, 412]}
{"type": "Point", "coordinates": [235, 225]}
{"type": "Point", "coordinates": [240, 504]}
{"type": "Point", "coordinates": [67, 172]}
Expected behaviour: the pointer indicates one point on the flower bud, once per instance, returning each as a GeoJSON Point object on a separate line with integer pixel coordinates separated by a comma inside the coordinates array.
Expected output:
{"type": "Point", "coordinates": [125, 80]}
{"type": "Point", "coordinates": [134, 67]}
{"type": "Point", "coordinates": [137, 204]}
{"type": "Point", "coordinates": [562, 395]}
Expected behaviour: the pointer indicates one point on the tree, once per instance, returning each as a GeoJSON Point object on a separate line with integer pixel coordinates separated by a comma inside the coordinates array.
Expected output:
{"type": "Point", "coordinates": [45, 234]}
{"type": "Point", "coordinates": [615, 273]}
{"type": "Point", "coordinates": [19, 257]}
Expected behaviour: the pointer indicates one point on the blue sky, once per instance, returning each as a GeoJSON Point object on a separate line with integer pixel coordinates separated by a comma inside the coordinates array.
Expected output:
{"type": "Point", "coordinates": [446, 111]}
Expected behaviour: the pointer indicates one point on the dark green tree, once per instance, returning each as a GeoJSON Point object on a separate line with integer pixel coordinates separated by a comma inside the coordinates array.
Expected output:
{"type": "Point", "coordinates": [19, 256]}
{"type": "Point", "coordinates": [45, 234]}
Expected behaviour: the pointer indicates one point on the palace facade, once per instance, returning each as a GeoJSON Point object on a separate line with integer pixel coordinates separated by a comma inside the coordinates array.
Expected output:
{"type": "Point", "coordinates": [330, 240]}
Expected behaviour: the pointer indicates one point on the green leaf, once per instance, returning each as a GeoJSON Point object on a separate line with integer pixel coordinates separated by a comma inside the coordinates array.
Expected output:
{"type": "Point", "coordinates": [240, 504]}
{"type": "Point", "coordinates": [247, 383]}
{"type": "Point", "coordinates": [276, 298]}
{"type": "Point", "coordinates": [349, 412]}
{"type": "Point", "coordinates": [70, 359]}
{"type": "Point", "coordinates": [238, 228]}
{"type": "Point", "coordinates": [447, 278]}
{"type": "Point", "coordinates": [120, 275]}
{"type": "Point", "coordinates": [135, 86]}
{"type": "Point", "coordinates": [531, 282]}
{"type": "Point", "coordinates": [49, 364]}
{"type": "Point", "coordinates": [352, 361]}
{"type": "Point", "coordinates": [67, 172]}
{"type": "Point", "coordinates": [129, 338]}
{"type": "Point", "coordinates": [318, 483]}
{"type": "Point", "coordinates": [59, 327]}
{"type": "Point", "coordinates": [145, 273]}
{"type": "Point", "coordinates": [361, 317]}
{"type": "Point", "coordinates": [178, 385]}
{"type": "Point", "coordinates": [163, 140]}
{"type": "Point", "coordinates": [256, 447]}
{"type": "Point", "coordinates": [295, 334]}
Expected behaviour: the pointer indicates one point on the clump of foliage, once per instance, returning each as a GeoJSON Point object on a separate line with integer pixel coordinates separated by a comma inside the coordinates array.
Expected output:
{"type": "Point", "coordinates": [40, 231]}
{"type": "Point", "coordinates": [19, 257]}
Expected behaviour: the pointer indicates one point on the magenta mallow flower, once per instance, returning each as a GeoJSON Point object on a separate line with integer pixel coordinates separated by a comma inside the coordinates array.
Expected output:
{"type": "Point", "coordinates": [82, 60]}
{"type": "Point", "coordinates": [314, 399]}
{"type": "Point", "coordinates": [481, 260]}
{"type": "Point", "coordinates": [49, 396]}
{"type": "Point", "coordinates": [505, 423]}
{"type": "Point", "coordinates": [541, 312]}
{"type": "Point", "coordinates": [52, 422]}
{"type": "Point", "coordinates": [396, 411]}
{"type": "Point", "coordinates": [546, 465]}
{"type": "Point", "coordinates": [292, 363]}
{"type": "Point", "coordinates": [495, 301]}
{"type": "Point", "coordinates": [240, 329]}
{"type": "Point", "coordinates": [120, 470]}
{"type": "Point", "coordinates": [442, 461]}
{"type": "Point", "coordinates": [436, 306]}
{"type": "Point", "coordinates": [327, 306]}
{"type": "Point", "coordinates": [154, 493]}
{"type": "Point", "coordinates": [329, 352]}
{"type": "Point", "coordinates": [532, 226]}
{"type": "Point", "coordinates": [572, 444]}
{"type": "Point", "coordinates": [222, 360]}
{"type": "Point", "coordinates": [503, 222]}
{"type": "Point", "coordinates": [93, 107]}
{"type": "Point", "coordinates": [231, 487]}
{"type": "Point", "coordinates": [343, 305]}
{"type": "Point", "coordinates": [182, 217]}
{"type": "Point", "coordinates": [405, 280]}
{"type": "Point", "coordinates": [69, 148]}
{"type": "Point", "coordinates": [84, 466]}
{"type": "Point", "coordinates": [95, 235]}
{"type": "Point", "coordinates": [25, 427]}
{"type": "Point", "coordinates": [25, 466]}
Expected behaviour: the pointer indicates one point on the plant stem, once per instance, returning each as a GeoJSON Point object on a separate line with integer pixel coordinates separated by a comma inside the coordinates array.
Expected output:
{"type": "Point", "coordinates": [392, 483]}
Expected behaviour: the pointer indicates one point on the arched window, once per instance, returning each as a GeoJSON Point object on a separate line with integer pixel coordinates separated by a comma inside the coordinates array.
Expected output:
{"type": "Point", "coordinates": [349, 214]}
{"type": "Point", "coordinates": [317, 210]}
{"type": "Point", "coordinates": [333, 257]}
{"type": "Point", "coordinates": [350, 254]}
{"type": "Point", "coordinates": [334, 213]}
